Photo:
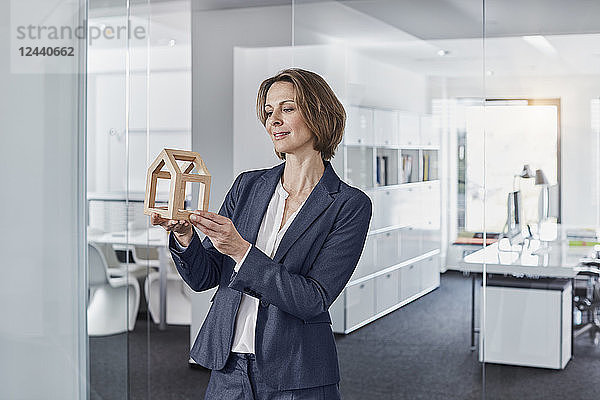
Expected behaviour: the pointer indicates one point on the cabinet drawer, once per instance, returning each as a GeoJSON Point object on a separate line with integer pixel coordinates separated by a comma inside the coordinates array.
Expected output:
{"type": "Point", "coordinates": [412, 205]}
{"type": "Point", "coordinates": [408, 126]}
{"type": "Point", "coordinates": [359, 126]}
{"type": "Point", "coordinates": [389, 207]}
{"type": "Point", "coordinates": [429, 206]}
{"type": "Point", "coordinates": [388, 249]}
{"type": "Point", "coordinates": [385, 125]}
{"type": "Point", "coordinates": [410, 243]}
{"type": "Point", "coordinates": [428, 133]}
{"type": "Point", "coordinates": [430, 272]}
{"type": "Point", "coordinates": [386, 291]}
{"type": "Point", "coordinates": [360, 303]}
{"type": "Point", "coordinates": [410, 281]}
{"type": "Point", "coordinates": [431, 240]}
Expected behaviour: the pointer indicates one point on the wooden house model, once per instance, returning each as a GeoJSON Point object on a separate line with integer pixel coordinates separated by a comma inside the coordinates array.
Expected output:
{"type": "Point", "coordinates": [180, 167]}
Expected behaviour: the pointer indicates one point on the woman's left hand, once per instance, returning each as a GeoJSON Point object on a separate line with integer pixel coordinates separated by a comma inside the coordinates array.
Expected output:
{"type": "Point", "coordinates": [221, 232]}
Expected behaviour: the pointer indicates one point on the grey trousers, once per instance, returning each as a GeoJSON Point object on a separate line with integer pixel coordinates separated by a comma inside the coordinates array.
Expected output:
{"type": "Point", "coordinates": [241, 380]}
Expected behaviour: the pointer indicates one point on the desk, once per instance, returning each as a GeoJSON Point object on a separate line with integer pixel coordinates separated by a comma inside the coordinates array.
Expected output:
{"type": "Point", "coordinates": [153, 237]}
{"type": "Point", "coordinates": [532, 259]}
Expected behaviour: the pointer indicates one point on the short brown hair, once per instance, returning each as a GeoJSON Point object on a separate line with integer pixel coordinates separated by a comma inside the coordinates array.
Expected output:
{"type": "Point", "coordinates": [322, 111]}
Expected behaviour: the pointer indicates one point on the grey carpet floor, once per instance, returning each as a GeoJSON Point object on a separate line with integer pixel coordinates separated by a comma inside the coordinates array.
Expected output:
{"type": "Point", "coordinates": [421, 351]}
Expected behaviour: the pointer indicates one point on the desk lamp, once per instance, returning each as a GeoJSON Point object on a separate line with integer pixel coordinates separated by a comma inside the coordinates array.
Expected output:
{"type": "Point", "coordinates": [524, 174]}
{"type": "Point", "coordinates": [547, 230]}
{"type": "Point", "coordinates": [540, 180]}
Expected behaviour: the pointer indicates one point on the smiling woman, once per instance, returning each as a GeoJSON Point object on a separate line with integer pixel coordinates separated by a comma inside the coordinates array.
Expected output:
{"type": "Point", "coordinates": [282, 248]}
{"type": "Point", "coordinates": [310, 103]}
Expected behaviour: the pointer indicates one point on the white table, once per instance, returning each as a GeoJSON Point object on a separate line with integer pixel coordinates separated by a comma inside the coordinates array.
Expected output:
{"type": "Point", "coordinates": [153, 237]}
{"type": "Point", "coordinates": [531, 259]}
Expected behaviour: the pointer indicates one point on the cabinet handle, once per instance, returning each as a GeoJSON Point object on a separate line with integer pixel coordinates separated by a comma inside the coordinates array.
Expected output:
{"type": "Point", "coordinates": [362, 286]}
{"type": "Point", "coordinates": [359, 140]}
{"type": "Point", "coordinates": [388, 275]}
{"type": "Point", "coordinates": [388, 234]}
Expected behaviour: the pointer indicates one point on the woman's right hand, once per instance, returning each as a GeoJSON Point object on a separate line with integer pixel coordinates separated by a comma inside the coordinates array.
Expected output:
{"type": "Point", "coordinates": [181, 229]}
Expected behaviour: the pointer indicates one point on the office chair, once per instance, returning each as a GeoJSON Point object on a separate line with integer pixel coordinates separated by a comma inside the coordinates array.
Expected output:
{"type": "Point", "coordinates": [113, 302]}
{"type": "Point", "coordinates": [587, 300]}
{"type": "Point", "coordinates": [179, 304]}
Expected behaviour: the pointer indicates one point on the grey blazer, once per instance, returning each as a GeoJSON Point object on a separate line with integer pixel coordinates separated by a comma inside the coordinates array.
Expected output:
{"type": "Point", "coordinates": [294, 343]}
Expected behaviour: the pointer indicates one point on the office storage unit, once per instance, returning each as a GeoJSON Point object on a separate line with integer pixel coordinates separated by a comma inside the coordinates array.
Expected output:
{"type": "Point", "coordinates": [392, 155]}
{"type": "Point", "coordinates": [527, 322]}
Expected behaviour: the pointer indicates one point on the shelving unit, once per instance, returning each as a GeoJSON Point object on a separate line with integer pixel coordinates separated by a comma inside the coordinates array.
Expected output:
{"type": "Point", "coordinates": [392, 155]}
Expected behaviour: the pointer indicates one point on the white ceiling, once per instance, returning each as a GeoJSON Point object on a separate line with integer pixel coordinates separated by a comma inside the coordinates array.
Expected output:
{"type": "Point", "coordinates": [507, 55]}
{"type": "Point", "coordinates": [409, 33]}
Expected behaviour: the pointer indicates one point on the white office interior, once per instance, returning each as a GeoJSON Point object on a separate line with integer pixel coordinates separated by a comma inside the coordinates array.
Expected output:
{"type": "Point", "coordinates": [473, 126]}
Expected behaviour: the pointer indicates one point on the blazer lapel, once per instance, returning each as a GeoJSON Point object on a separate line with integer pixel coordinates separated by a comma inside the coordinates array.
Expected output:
{"type": "Point", "coordinates": [263, 193]}
{"type": "Point", "coordinates": [317, 202]}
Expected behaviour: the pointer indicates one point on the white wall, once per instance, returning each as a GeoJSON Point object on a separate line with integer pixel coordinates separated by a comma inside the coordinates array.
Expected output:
{"type": "Point", "coordinates": [214, 36]}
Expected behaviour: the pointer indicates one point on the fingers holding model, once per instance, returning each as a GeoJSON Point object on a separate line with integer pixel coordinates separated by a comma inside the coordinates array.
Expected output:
{"type": "Point", "coordinates": [181, 229]}
{"type": "Point", "coordinates": [222, 233]}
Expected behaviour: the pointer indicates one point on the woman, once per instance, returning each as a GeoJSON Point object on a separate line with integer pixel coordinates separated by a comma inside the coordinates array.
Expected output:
{"type": "Point", "coordinates": [282, 248]}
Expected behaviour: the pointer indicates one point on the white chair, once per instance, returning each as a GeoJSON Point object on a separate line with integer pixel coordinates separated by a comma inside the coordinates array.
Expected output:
{"type": "Point", "coordinates": [113, 302]}
{"type": "Point", "coordinates": [179, 305]}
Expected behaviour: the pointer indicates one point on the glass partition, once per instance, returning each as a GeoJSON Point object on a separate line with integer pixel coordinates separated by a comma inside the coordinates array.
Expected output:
{"type": "Point", "coordinates": [139, 102]}
{"type": "Point", "coordinates": [539, 307]}
{"type": "Point", "coordinates": [43, 297]}
{"type": "Point", "coordinates": [403, 322]}
{"type": "Point", "coordinates": [114, 290]}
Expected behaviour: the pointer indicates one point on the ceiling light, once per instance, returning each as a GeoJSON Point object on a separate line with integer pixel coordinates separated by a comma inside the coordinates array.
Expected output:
{"type": "Point", "coordinates": [443, 53]}
{"type": "Point", "coordinates": [540, 43]}
{"type": "Point", "coordinates": [172, 42]}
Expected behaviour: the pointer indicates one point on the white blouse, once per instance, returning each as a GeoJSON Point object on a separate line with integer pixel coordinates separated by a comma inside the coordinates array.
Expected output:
{"type": "Point", "coordinates": [268, 239]}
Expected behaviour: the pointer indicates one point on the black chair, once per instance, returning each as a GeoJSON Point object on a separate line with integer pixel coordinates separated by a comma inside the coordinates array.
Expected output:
{"type": "Point", "coordinates": [587, 300]}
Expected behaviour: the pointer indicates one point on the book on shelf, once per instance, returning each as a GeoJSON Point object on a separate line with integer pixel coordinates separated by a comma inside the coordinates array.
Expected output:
{"type": "Point", "coordinates": [406, 168]}
{"type": "Point", "coordinates": [425, 167]}
{"type": "Point", "coordinates": [382, 171]}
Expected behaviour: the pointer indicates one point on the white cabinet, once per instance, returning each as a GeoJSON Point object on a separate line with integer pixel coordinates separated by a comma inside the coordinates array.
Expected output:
{"type": "Point", "coordinates": [385, 124]}
{"type": "Point", "coordinates": [386, 291]}
{"type": "Point", "coordinates": [430, 272]}
{"type": "Point", "coordinates": [429, 207]}
{"type": "Point", "coordinates": [410, 280]}
{"type": "Point", "coordinates": [388, 208]}
{"type": "Point", "coordinates": [410, 243]}
{"type": "Point", "coordinates": [360, 303]}
{"type": "Point", "coordinates": [408, 125]}
{"type": "Point", "coordinates": [428, 135]}
{"type": "Point", "coordinates": [528, 325]}
{"type": "Point", "coordinates": [359, 126]}
{"type": "Point", "coordinates": [388, 249]}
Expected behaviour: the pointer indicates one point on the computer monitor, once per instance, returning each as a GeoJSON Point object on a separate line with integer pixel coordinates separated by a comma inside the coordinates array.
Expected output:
{"type": "Point", "coordinates": [514, 214]}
